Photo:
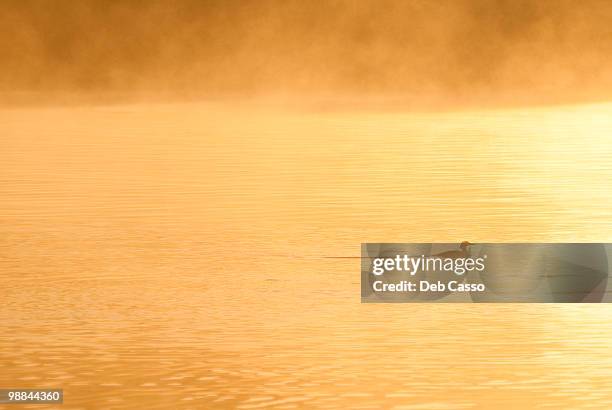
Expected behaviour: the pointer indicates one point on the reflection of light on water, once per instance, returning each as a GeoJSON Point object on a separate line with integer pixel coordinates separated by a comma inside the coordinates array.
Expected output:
{"type": "Point", "coordinates": [165, 243]}
{"type": "Point", "coordinates": [584, 316]}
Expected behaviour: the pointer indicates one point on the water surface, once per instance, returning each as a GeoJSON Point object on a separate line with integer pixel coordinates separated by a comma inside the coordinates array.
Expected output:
{"type": "Point", "coordinates": [175, 255]}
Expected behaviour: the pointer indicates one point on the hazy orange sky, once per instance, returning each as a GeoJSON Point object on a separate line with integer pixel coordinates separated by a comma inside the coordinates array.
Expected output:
{"type": "Point", "coordinates": [464, 50]}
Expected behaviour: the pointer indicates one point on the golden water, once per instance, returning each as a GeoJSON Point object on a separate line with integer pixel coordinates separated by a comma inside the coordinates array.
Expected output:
{"type": "Point", "coordinates": [173, 256]}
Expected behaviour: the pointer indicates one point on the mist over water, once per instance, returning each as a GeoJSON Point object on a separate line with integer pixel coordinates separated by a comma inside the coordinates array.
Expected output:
{"type": "Point", "coordinates": [425, 53]}
{"type": "Point", "coordinates": [171, 249]}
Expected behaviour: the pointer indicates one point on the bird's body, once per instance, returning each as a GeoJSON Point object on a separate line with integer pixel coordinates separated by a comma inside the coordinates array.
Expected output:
{"type": "Point", "coordinates": [462, 252]}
